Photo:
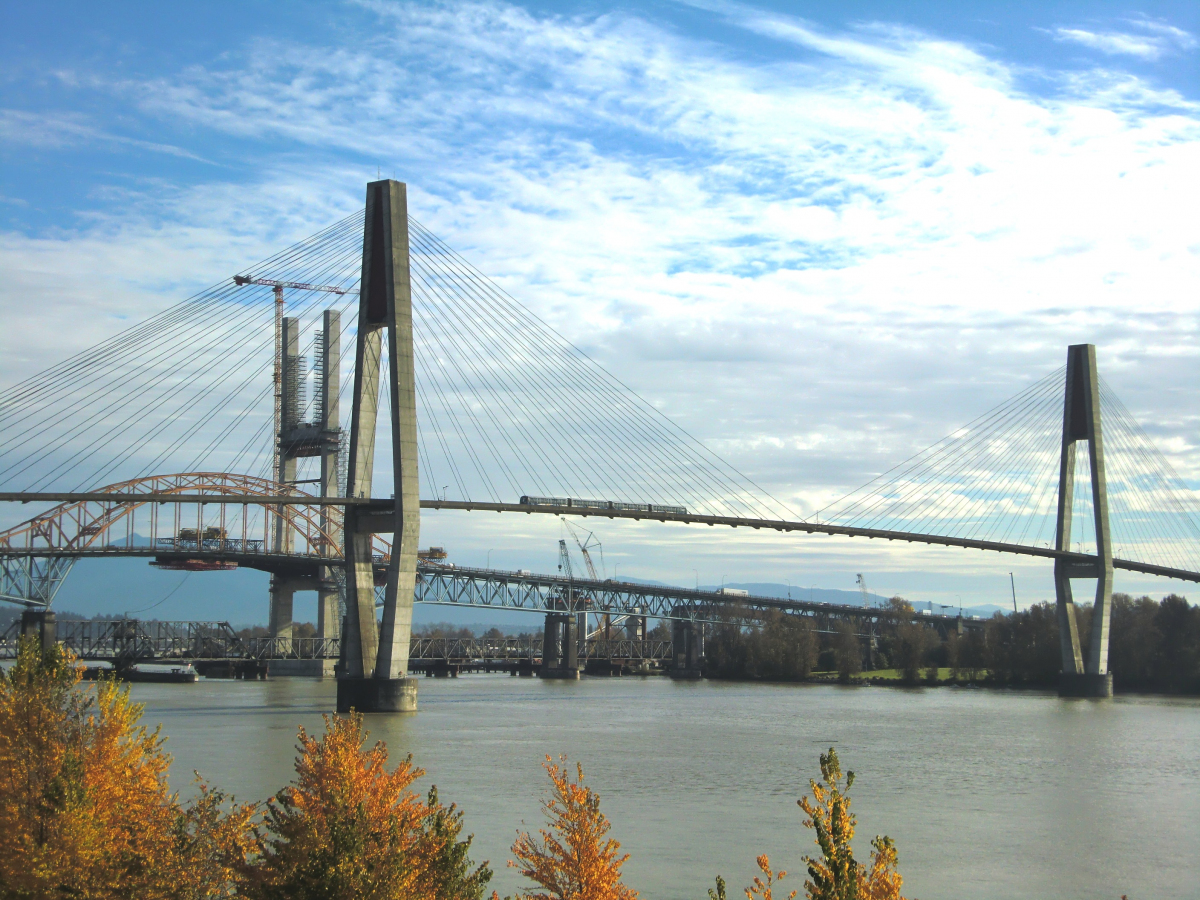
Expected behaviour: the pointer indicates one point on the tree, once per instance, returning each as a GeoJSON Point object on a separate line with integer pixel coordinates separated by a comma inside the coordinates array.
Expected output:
{"type": "Point", "coordinates": [909, 646]}
{"type": "Point", "coordinates": [847, 651]}
{"type": "Point", "coordinates": [1178, 664]}
{"type": "Point", "coordinates": [836, 874]}
{"type": "Point", "coordinates": [349, 828]}
{"type": "Point", "coordinates": [84, 805]}
{"type": "Point", "coordinates": [954, 655]}
{"type": "Point", "coordinates": [572, 860]}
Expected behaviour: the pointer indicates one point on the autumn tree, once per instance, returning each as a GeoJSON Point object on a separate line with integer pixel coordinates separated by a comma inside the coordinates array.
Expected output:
{"type": "Point", "coordinates": [572, 860]}
{"type": "Point", "coordinates": [85, 810]}
{"type": "Point", "coordinates": [347, 827]}
{"type": "Point", "coordinates": [836, 874]}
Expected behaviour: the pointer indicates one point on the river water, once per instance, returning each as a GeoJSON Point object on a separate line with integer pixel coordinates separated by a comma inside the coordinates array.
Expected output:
{"type": "Point", "coordinates": [988, 794]}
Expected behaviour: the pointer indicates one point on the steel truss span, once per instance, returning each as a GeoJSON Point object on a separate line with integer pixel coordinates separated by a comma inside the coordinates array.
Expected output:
{"type": "Point", "coordinates": [445, 586]}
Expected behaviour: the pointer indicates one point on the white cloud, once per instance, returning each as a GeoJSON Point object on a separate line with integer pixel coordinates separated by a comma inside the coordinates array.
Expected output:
{"type": "Point", "coordinates": [70, 129]}
{"type": "Point", "coordinates": [1157, 39]}
{"type": "Point", "coordinates": [817, 262]}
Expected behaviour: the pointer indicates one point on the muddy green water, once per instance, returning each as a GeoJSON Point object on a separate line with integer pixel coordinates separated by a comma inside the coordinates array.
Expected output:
{"type": "Point", "coordinates": [988, 794]}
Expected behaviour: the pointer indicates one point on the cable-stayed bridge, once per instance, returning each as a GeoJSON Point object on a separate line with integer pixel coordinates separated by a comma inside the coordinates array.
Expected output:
{"type": "Point", "coordinates": [491, 410]}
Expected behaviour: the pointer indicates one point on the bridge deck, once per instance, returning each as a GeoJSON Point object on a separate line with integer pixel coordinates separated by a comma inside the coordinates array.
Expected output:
{"type": "Point", "coordinates": [376, 514]}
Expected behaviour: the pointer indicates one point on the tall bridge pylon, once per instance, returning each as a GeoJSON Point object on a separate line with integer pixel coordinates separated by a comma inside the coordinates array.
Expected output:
{"type": "Point", "coordinates": [375, 662]}
{"type": "Point", "coordinates": [1081, 422]}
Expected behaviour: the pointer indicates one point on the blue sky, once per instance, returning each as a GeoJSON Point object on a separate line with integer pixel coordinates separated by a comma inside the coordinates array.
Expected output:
{"type": "Point", "coordinates": [819, 236]}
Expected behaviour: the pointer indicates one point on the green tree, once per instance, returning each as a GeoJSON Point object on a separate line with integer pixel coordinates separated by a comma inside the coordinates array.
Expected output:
{"type": "Point", "coordinates": [847, 650]}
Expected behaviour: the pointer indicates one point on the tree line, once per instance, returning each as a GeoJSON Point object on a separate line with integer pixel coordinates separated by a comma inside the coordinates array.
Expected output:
{"type": "Point", "coordinates": [1153, 646]}
{"type": "Point", "coordinates": [86, 812]}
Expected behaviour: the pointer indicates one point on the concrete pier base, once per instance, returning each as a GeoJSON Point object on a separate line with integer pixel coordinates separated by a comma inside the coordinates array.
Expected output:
{"type": "Point", "coordinates": [1085, 685]}
{"type": "Point", "coordinates": [377, 694]}
{"type": "Point", "coordinates": [40, 624]}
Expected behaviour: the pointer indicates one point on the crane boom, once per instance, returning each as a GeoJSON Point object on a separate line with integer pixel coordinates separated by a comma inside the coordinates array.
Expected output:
{"type": "Point", "coordinates": [862, 586]}
{"type": "Point", "coordinates": [240, 280]}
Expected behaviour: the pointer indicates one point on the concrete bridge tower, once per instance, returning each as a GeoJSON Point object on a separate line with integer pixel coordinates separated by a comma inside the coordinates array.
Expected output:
{"type": "Point", "coordinates": [1081, 422]}
{"type": "Point", "coordinates": [376, 657]}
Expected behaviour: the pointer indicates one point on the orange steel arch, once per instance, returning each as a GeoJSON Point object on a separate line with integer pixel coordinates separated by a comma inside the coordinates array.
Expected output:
{"type": "Point", "coordinates": [73, 527]}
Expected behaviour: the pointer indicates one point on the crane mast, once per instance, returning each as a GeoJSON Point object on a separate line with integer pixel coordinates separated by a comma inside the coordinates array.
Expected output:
{"type": "Point", "coordinates": [862, 586]}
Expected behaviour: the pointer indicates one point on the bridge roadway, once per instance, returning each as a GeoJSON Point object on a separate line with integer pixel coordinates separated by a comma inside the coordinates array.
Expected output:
{"type": "Point", "coordinates": [376, 515]}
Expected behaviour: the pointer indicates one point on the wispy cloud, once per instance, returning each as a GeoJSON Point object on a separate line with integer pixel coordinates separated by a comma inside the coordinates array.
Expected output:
{"type": "Point", "coordinates": [51, 130]}
{"type": "Point", "coordinates": [1150, 41]}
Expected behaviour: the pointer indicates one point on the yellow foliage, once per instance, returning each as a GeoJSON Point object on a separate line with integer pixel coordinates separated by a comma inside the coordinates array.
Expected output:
{"type": "Point", "coordinates": [85, 809]}
{"type": "Point", "coordinates": [836, 875]}
{"type": "Point", "coordinates": [572, 861]}
{"type": "Point", "coordinates": [349, 828]}
{"type": "Point", "coordinates": [762, 887]}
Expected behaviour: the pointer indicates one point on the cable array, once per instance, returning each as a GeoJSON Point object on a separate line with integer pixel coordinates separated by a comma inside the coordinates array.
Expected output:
{"type": "Point", "coordinates": [1153, 514]}
{"type": "Point", "coordinates": [506, 405]}
{"type": "Point", "coordinates": [509, 407]}
{"type": "Point", "coordinates": [996, 479]}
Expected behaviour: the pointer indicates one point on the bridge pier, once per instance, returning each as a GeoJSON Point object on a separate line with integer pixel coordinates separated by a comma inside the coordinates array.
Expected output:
{"type": "Point", "coordinates": [282, 601]}
{"type": "Point", "coordinates": [560, 647]}
{"type": "Point", "coordinates": [40, 624]}
{"type": "Point", "coordinates": [376, 656]}
{"type": "Point", "coordinates": [1081, 422]}
{"type": "Point", "coordinates": [686, 640]}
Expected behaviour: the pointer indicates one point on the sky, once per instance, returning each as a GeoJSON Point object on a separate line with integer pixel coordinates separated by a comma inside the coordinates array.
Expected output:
{"type": "Point", "coordinates": [818, 236]}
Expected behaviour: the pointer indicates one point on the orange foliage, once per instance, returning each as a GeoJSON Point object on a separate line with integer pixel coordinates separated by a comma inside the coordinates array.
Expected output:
{"type": "Point", "coordinates": [761, 888]}
{"type": "Point", "coordinates": [572, 861]}
{"type": "Point", "coordinates": [836, 875]}
{"type": "Point", "coordinates": [84, 805]}
{"type": "Point", "coordinates": [348, 827]}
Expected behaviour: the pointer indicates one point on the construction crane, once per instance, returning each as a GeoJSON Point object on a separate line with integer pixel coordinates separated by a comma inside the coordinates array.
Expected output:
{"type": "Point", "coordinates": [606, 621]}
{"type": "Point", "coordinates": [862, 586]}
{"type": "Point", "coordinates": [278, 286]}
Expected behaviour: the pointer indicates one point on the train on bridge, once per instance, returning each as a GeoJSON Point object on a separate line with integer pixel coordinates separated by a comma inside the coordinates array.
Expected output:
{"type": "Point", "coordinates": [575, 503]}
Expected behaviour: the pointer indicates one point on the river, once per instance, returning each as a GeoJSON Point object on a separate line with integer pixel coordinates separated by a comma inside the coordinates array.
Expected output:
{"type": "Point", "coordinates": [988, 794]}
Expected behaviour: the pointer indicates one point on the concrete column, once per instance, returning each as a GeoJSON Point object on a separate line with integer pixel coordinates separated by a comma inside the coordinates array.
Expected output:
{"type": "Point", "coordinates": [1081, 422]}
{"type": "Point", "coordinates": [685, 649]}
{"type": "Point", "coordinates": [329, 617]}
{"type": "Point", "coordinates": [560, 646]}
{"type": "Point", "coordinates": [552, 642]}
{"type": "Point", "coordinates": [40, 624]}
{"type": "Point", "coordinates": [570, 643]}
{"type": "Point", "coordinates": [282, 597]}
{"type": "Point", "coordinates": [385, 305]}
